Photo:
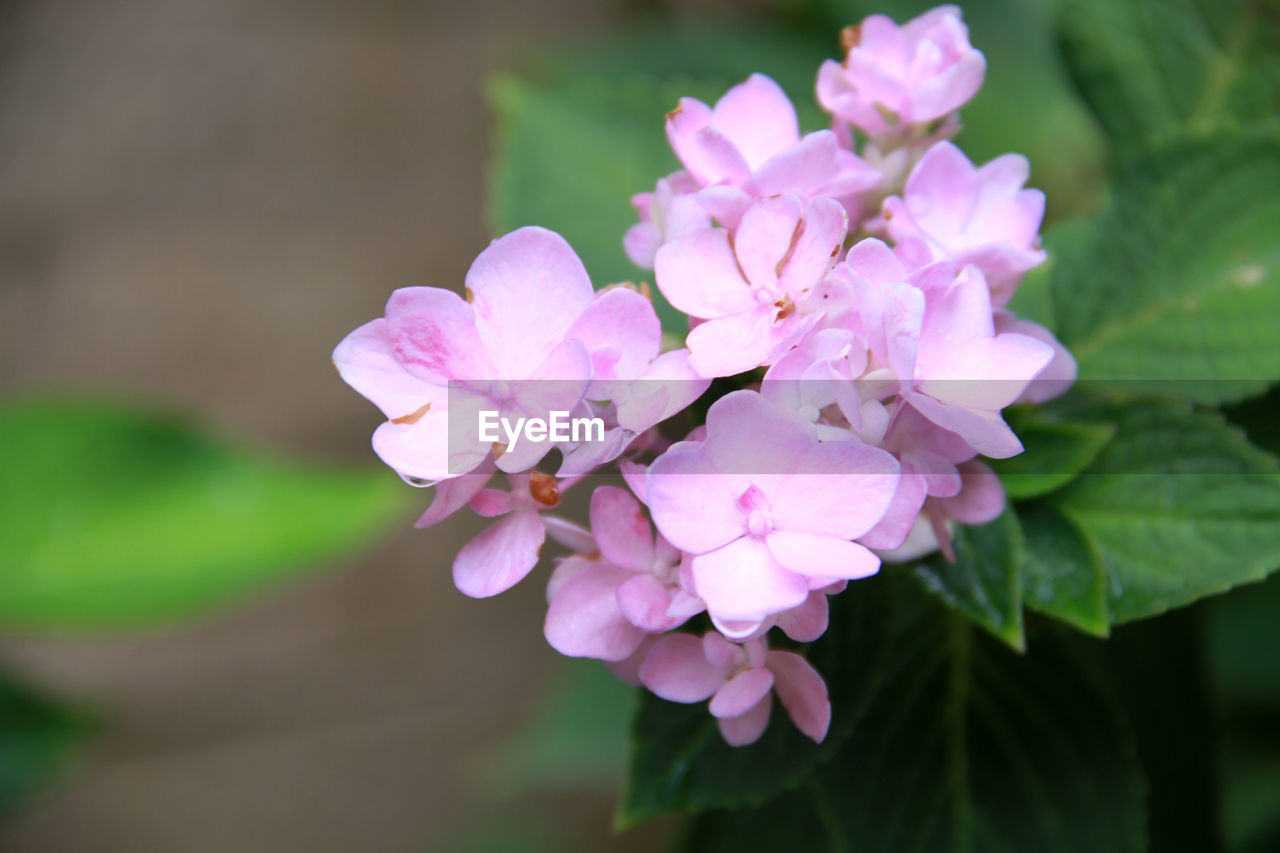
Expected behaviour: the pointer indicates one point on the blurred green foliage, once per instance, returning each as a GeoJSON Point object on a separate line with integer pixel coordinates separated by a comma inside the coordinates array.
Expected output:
{"type": "Point", "coordinates": [38, 737]}
{"type": "Point", "coordinates": [117, 516]}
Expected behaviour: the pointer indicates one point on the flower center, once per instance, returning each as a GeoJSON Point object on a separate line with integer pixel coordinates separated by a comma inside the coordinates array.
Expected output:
{"type": "Point", "coordinates": [760, 522]}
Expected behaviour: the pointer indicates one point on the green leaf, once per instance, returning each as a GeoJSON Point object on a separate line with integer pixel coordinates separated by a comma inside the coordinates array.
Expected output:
{"type": "Point", "coordinates": [1064, 575]}
{"type": "Point", "coordinates": [787, 822]}
{"type": "Point", "coordinates": [1259, 417]}
{"type": "Point", "coordinates": [1159, 669]}
{"type": "Point", "coordinates": [1240, 625]}
{"type": "Point", "coordinates": [1242, 631]}
{"type": "Point", "coordinates": [1179, 290]}
{"type": "Point", "coordinates": [1152, 68]}
{"type": "Point", "coordinates": [708, 58]}
{"type": "Point", "coordinates": [985, 580]}
{"type": "Point", "coordinates": [1033, 299]}
{"type": "Point", "coordinates": [37, 738]}
{"type": "Point", "coordinates": [1180, 506]}
{"type": "Point", "coordinates": [1056, 453]}
{"type": "Point", "coordinates": [679, 761]}
{"type": "Point", "coordinates": [117, 516]}
{"type": "Point", "coordinates": [968, 746]}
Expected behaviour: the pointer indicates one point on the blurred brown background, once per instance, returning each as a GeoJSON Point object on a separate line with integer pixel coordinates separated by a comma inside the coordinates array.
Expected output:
{"type": "Point", "coordinates": [200, 198]}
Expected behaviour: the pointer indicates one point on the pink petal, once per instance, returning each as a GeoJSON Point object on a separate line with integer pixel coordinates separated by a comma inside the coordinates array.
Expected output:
{"type": "Point", "coordinates": [676, 670]}
{"type": "Point", "coordinates": [641, 243]}
{"type": "Point", "coordinates": [999, 182]}
{"type": "Point", "coordinates": [727, 204]}
{"type": "Point", "coordinates": [683, 606]}
{"type": "Point", "coordinates": [682, 126]}
{"type": "Point", "coordinates": [816, 246]}
{"type": "Point", "coordinates": [699, 275]}
{"type": "Point", "coordinates": [840, 488]}
{"type": "Point", "coordinates": [556, 385]}
{"type": "Point", "coordinates": [747, 434]}
{"type": "Point", "coordinates": [668, 386]}
{"type": "Point", "coordinates": [981, 498]}
{"type": "Point", "coordinates": [962, 313]}
{"type": "Point", "coordinates": [691, 502]}
{"type": "Point", "coordinates": [452, 495]}
{"type": "Point", "coordinates": [635, 476]}
{"type": "Point", "coordinates": [941, 191]}
{"type": "Point", "coordinates": [808, 621]}
{"type": "Point", "coordinates": [735, 344]}
{"type": "Point", "coordinates": [501, 556]}
{"type": "Point", "coordinates": [802, 692]}
{"type": "Point", "coordinates": [743, 581]}
{"type": "Point", "coordinates": [491, 502]}
{"type": "Point", "coordinates": [950, 90]}
{"type": "Point", "coordinates": [367, 362]}
{"type": "Point", "coordinates": [565, 568]}
{"type": "Point", "coordinates": [741, 693]}
{"type": "Point", "coordinates": [986, 373]}
{"type": "Point", "coordinates": [764, 238]}
{"type": "Point", "coordinates": [1003, 265]}
{"type": "Point", "coordinates": [747, 729]}
{"type": "Point", "coordinates": [1058, 376]}
{"type": "Point", "coordinates": [892, 530]}
{"type": "Point", "coordinates": [584, 619]}
{"type": "Point", "coordinates": [985, 431]}
{"type": "Point", "coordinates": [528, 287]}
{"type": "Point", "coordinates": [873, 260]}
{"type": "Point", "coordinates": [759, 119]}
{"type": "Point", "coordinates": [621, 529]}
{"type": "Point", "coordinates": [644, 601]}
{"type": "Point", "coordinates": [433, 332]}
{"type": "Point", "coordinates": [904, 309]}
{"type": "Point", "coordinates": [721, 653]}
{"type": "Point", "coordinates": [572, 536]}
{"type": "Point", "coordinates": [741, 630]}
{"type": "Point", "coordinates": [822, 556]}
{"type": "Point", "coordinates": [802, 168]}
{"type": "Point", "coordinates": [420, 449]}
{"type": "Point", "coordinates": [621, 331]}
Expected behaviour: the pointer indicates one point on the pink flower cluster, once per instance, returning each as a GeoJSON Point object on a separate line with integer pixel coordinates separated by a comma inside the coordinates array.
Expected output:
{"type": "Point", "coordinates": [852, 280]}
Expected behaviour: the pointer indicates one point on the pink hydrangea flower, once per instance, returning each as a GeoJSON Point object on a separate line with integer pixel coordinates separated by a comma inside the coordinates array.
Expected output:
{"type": "Point", "coordinates": [893, 77]}
{"type": "Point", "coordinates": [740, 681]}
{"type": "Point", "coordinates": [629, 408]}
{"type": "Point", "coordinates": [964, 372]}
{"type": "Point", "coordinates": [671, 210]}
{"type": "Point", "coordinates": [529, 342]}
{"type": "Point", "coordinates": [749, 147]}
{"type": "Point", "coordinates": [766, 511]}
{"type": "Point", "coordinates": [502, 555]}
{"type": "Point", "coordinates": [819, 373]}
{"type": "Point", "coordinates": [752, 290]}
{"type": "Point", "coordinates": [933, 343]}
{"type": "Point", "coordinates": [951, 210]}
{"type": "Point", "coordinates": [603, 607]}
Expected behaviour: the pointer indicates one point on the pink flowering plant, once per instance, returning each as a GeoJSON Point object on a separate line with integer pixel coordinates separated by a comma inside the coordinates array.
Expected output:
{"type": "Point", "coordinates": [836, 468]}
